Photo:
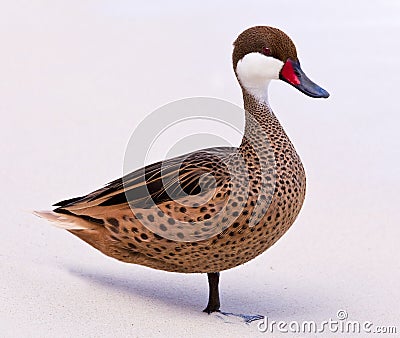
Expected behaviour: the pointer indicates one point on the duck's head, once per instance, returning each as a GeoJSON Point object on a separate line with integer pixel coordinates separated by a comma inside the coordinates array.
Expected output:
{"type": "Point", "coordinates": [262, 54]}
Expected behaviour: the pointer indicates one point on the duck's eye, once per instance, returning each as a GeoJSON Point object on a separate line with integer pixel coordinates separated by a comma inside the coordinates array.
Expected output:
{"type": "Point", "coordinates": [266, 51]}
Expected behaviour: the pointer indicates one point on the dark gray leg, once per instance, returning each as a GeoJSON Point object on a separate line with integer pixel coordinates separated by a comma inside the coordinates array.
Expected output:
{"type": "Point", "coordinates": [213, 298]}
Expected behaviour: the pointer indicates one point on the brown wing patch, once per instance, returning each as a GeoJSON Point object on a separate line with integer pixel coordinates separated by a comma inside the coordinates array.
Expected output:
{"type": "Point", "coordinates": [160, 182]}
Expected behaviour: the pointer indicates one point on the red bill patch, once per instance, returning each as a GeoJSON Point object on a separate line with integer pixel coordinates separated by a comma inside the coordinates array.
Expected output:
{"type": "Point", "coordinates": [288, 73]}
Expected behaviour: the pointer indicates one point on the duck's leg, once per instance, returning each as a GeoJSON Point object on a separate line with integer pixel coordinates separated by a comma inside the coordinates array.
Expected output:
{"type": "Point", "coordinates": [213, 296]}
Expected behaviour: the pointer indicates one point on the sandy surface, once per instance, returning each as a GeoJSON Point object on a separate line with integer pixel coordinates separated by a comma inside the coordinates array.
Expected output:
{"type": "Point", "coordinates": [75, 80]}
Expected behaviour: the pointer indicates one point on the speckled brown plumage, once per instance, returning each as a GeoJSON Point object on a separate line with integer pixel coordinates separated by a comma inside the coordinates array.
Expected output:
{"type": "Point", "coordinates": [126, 236]}
{"type": "Point", "coordinates": [161, 216]}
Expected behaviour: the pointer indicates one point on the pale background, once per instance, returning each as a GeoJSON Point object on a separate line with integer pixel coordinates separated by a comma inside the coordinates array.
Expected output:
{"type": "Point", "coordinates": [76, 77]}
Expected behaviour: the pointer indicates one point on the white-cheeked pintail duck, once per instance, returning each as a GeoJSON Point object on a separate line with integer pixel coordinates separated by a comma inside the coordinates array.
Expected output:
{"type": "Point", "coordinates": [212, 209]}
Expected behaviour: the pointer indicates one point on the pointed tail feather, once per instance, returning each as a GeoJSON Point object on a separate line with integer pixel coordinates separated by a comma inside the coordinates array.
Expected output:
{"type": "Point", "coordinates": [61, 221]}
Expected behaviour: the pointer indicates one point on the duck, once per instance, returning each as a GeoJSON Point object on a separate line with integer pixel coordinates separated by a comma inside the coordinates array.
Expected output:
{"type": "Point", "coordinates": [212, 209]}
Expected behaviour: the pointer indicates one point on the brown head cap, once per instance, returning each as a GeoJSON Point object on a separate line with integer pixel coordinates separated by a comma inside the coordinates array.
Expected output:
{"type": "Point", "coordinates": [255, 39]}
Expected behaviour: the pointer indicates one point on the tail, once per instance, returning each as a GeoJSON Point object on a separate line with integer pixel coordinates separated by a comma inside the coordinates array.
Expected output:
{"type": "Point", "coordinates": [62, 221]}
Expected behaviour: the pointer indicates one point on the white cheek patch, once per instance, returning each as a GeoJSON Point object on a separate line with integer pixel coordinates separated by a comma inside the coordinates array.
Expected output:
{"type": "Point", "coordinates": [255, 71]}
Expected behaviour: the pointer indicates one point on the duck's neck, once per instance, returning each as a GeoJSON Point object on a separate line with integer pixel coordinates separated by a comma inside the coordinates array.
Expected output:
{"type": "Point", "coordinates": [261, 123]}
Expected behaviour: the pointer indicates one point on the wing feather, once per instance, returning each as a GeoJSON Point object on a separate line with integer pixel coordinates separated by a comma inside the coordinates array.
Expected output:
{"type": "Point", "coordinates": [169, 180]}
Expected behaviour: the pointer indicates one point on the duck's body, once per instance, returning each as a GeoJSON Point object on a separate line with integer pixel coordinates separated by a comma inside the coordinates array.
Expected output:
{"type": "Point", "coordinates": [124, 233]}
{"type": "Point", "coordinates": [169, 216]}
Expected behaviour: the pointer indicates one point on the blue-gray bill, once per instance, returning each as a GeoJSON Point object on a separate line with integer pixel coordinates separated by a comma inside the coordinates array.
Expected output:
{"type": "Point", "coordinates": [293, 74]}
